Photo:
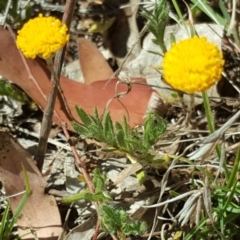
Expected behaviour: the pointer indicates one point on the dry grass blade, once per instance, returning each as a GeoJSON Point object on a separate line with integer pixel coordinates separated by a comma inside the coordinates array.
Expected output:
{"type": "Point", "coordinates": [211, 141]}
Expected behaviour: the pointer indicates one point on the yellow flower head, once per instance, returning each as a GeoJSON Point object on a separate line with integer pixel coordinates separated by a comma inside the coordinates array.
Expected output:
{"type": "Point", "coordinates": [42, 36]}
{"type": "Point", "coordinates": [193, 65]}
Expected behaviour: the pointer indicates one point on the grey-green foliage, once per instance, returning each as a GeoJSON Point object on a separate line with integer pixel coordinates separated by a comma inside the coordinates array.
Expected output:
{"type": "Point", "coordinates": [157, 21]}
{"type": "Point", "coordinates": [99, 195]}
{"type": "Point", "coordinates": [116, 220]}
{"type": "Point", "coordinates": [120, 136]}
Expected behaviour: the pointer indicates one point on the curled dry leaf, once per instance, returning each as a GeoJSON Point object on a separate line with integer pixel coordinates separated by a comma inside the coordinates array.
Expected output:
{"type": "Point", "coordinates": [33, 77]}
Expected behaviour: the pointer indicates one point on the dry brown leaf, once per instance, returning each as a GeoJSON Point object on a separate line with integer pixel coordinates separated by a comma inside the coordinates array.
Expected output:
{"type": "Point", "coordinates": [97, 94]}
{"type": "Point", "coordinates": [89, 57]}
{"type": "Point", "coordinates": [40, 213]}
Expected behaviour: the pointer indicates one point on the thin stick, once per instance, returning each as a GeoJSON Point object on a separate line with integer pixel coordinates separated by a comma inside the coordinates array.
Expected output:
{"type": "Point", "coordinates": [81, 164]}
{"type": "Point", "coordinates": [49, 109]}
{"type": "Point", "coordinates": [87, 178]}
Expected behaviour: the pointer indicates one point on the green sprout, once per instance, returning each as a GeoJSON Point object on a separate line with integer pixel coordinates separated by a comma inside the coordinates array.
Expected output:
{"type": "Point", "coordinates": [157, 22]}
{"type": "Point", "coordinates": [116, 220]}
{"type": "Point", "coordinates": [100, 195]}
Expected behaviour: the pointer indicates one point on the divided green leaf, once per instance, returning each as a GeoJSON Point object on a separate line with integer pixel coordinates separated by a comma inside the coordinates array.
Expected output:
{"type": "Point", "coordinates": [120, 136]}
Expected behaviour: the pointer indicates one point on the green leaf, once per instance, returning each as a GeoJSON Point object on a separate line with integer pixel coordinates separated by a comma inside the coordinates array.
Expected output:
{"type": "Point", "coordinates": [4, 221]}
{"type": "Point", "coordinates": [141, 176]}
{"type": "Point", "coordinates": [133, 145]}
{"type": "Point", "coordinates": [126, 128]}
{"type": "Point", "coordinates": [102, 197]}
{"type": "Point", "coordinates": [123, 136]}
{"type": "Point", "coordinates": [232, 207]}
{"type": "Point", "coordinates": [121, 143]}
{"type": "Point", "coordinates": [155, 52]}
{"type": "Point", "coordinates": [96, 132]}
{"type": "Point", "coordinates": [83, 116]}
{"type": "Point", "coordinates": [231, 217]}
{"type": "Point", "coordinates": [115, 219]}
{"type": "Point", "coordinates": [96, 119]}
{"type": "Point", "coordinates": [118, 127]}
{"type": "Point", "coordinates": [79, 196]}
{"type": "Point", "coordinates": [98, 180]}
{"type": "Point", "coordinates": [109, 219]}
{"type": "Point", "coordinates": [22, 203]}
{"type": "Point", "coordinates": [120, 137]}
{"type": "Point", "coordinates": [80, 129]}
{"type": "Point", "coordinates": [108, 130]}
{"type": "Point", "coordinates": [154, 127]}
{"type": "Point", "coordinates": [13, 91]}
{"type": "Point", "coordinates": [204, 6]}
{"type": "Point", "coordinates": [157, 21]}
{"type": "Point", "coordinates": [99, 196]}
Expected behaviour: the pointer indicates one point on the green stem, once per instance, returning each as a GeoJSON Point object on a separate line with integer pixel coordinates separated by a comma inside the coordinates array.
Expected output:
{"type": "Point", "coordinates": [233, 177]}
{"type": "Point", "coordinates": [208, 111]}
{"type": "Point", "coordinates": [179, 13]}
{"type": "Point", "coordinates": [211, 126]}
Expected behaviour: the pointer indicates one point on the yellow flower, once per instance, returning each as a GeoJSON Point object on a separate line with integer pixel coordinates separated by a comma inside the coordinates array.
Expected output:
{"type": "Point", "coordinates": [193, 65]}
{"type": "Point", "coordinates": [42, 36]}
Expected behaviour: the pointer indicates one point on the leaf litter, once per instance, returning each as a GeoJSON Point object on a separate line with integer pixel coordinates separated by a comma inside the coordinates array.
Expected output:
{"type": "Point", "coordinates": [177, 140]}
